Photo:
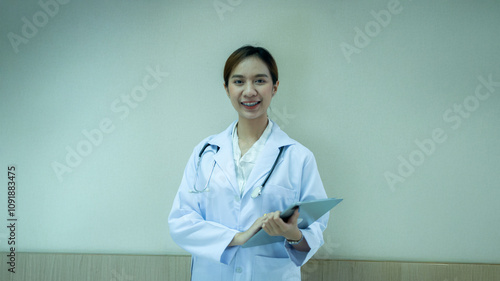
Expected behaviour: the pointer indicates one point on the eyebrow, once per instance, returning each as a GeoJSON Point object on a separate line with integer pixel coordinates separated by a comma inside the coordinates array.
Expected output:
{"type": "Point", "coordinates": [256, 76]}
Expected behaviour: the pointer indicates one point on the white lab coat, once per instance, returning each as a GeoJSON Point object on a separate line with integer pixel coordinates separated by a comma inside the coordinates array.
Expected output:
{"type": "Point", "coordinates": [205, 223]}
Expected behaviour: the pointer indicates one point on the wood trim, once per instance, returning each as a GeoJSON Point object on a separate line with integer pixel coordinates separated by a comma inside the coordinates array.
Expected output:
{"type": "Point", "coordinates": [103, 267]}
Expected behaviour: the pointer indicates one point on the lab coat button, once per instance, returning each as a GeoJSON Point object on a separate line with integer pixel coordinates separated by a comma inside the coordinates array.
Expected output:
{"type": "Point", "coordinates": [239, 270]}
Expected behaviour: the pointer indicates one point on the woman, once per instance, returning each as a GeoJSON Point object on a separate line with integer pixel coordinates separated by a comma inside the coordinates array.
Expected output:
{"type": "Point", "coordinates": [219, 204]}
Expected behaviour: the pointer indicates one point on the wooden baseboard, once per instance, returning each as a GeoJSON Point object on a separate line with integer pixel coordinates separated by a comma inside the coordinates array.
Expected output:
{"type": "Point", "coordinates": [348, 270]}
{"type": "Point", "coordinates": [94, 267]}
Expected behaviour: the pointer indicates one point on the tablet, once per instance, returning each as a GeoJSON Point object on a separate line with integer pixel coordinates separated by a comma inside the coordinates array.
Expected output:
{"type": "Point", "coordinates": [310, 211]}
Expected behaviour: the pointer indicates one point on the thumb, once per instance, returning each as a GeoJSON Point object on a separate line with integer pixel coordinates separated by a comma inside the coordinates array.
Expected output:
{"type": "Point", "coordinates": [293, 219]}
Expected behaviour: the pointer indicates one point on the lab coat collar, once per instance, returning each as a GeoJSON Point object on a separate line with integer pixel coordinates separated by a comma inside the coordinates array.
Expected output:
{"type": "Point", "coordinates": [265, 160]}
{"type": "Point", "coordinates": [277, 138]}
{"type": "Point", "coordinates": [224, 158]}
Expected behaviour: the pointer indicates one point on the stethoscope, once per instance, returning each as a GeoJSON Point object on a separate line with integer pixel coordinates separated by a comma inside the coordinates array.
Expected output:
{"type": "Point", "coordinates": [257, 191]}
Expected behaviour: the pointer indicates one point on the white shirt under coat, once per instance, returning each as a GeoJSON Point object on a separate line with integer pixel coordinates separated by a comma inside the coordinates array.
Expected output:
{"type": "Point", "coordinates": [244, 164]}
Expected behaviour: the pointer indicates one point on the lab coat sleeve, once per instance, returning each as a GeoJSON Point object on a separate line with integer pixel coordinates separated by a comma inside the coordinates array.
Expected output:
{"type": "Point", "coordinates": [188, 228]}
{"type": "Point", "coordinates": [311, 189]}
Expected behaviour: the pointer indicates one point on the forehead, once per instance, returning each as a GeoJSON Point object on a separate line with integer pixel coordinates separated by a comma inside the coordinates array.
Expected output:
{"type": "Point", "coordinates": [251, 66]}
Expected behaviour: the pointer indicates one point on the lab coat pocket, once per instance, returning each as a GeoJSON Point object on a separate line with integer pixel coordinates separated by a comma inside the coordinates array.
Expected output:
{"type": "Point", "coordinates": [277, 198]}
{"type": "Point", "coordinates": [274, 269]}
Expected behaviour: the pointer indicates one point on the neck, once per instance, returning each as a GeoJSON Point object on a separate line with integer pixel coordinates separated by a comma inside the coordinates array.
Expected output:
{"type": "Point", "coordinates": [251, 130]}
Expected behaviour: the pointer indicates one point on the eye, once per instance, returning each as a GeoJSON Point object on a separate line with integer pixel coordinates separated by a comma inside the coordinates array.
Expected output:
{"type": "Point", "coordinates": [237, 82]}
{"type": "Point", "coordinates": [260, 81]}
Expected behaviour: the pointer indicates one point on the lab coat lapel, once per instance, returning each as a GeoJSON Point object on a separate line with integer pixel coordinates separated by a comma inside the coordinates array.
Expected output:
{"type": "Point", "coordinates": [224, 158]}
{"type": "Point", "coordinates": [267, 157]}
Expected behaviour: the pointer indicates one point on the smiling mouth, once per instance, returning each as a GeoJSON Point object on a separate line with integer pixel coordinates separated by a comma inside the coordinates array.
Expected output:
{"type": "Point", "coordinates": [250, 104]}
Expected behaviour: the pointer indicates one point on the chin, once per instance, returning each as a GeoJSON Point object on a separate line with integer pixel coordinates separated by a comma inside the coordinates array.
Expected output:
{"type": "Point", "coordinates": [253, 117]}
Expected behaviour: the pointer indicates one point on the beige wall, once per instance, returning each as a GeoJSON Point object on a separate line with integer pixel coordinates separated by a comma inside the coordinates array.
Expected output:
{"type": "Point", "coordinates": [84, 267]}
{"type": "Point", "coordinates": [364, 114]}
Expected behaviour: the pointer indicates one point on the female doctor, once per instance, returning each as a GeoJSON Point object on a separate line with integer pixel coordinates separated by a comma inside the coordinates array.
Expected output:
{"type": "Point", "coordinates": [238, 181]}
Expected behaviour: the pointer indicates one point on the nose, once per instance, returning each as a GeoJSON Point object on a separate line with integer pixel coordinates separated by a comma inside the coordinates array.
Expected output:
{"type": "Point", "coordinates": [249, 90]}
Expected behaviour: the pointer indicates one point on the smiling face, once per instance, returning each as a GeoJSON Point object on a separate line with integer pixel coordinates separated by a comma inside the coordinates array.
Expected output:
{"type": "Point", "coordinates": [250, 88]}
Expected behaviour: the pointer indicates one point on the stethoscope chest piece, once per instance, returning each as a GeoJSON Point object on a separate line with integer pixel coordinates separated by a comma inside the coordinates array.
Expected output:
{"type": "Point", "coordinates": [256, 191]}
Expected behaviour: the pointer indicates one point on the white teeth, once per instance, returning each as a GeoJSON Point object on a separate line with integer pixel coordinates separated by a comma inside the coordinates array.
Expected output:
{"type": "Point", "coordinates": [250, 104]}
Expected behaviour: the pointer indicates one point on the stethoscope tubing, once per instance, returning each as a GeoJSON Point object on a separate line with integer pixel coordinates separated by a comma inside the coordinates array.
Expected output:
{"type": "Point", "coordinates": [200, 155]}
{"type": "Point", "coordinates": [257, 191]}
{"type": "Point", "coordinates": [274, 166]}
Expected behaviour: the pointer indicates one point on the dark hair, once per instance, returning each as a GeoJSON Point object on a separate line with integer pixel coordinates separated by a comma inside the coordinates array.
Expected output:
{"type": "Point", "coordinates": [248, 51]}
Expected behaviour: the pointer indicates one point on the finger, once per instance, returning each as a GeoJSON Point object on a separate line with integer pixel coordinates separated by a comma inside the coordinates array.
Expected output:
{"type": "Point", "coordinates": [260, 220]}
{"type": "Point", "coordinates": [267, 229]}
{"type": "Point", "coordinates": [271, 228]}
{"type": "Point", "coordinates": [281, 226]}
{"type": "Point", "coordinates": [274, 224]}
{"type": "Point", "coordinates": [265, 217]}
{"type": "Point", "coordinates": [273, 215]}
{"type": "Point", "coordinates": [293, 219]}
{"type": "Point", "coordinates": [277, 217]}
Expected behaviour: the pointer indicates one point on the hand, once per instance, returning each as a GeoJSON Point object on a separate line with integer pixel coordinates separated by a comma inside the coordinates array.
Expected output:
{"type": "Point", "coordinates": [242, 237]}
{"type": "Point", "coordinates": [275, 226]}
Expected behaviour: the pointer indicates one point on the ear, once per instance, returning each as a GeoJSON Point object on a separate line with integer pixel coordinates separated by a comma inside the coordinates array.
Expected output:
{"type": "Point", "coordinates": [275, 87]}
{"type": "Point", "coordinates": [225, 88]}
